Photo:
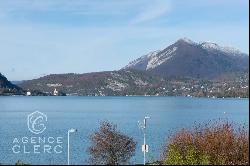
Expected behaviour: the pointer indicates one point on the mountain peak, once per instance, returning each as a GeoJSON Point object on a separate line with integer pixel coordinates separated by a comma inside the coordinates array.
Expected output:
{"type": "Point", "coordinates": [190, 59]}
{"type": "Point", "coordinates": [186, 40]}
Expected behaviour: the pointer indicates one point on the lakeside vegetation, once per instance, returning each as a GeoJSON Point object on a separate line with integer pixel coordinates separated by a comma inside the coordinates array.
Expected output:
{"type": "Point", "coordinates": [214, 143]}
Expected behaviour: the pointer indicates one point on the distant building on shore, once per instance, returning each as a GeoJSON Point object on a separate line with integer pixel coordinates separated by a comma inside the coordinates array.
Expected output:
{"type": "Point", "coordinates": [55, 93]}
{"type": "Point", "coordinates": [28, 93]}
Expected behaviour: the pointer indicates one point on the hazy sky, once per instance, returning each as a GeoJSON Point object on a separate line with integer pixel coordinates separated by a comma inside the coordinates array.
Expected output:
{"type": "Point", "coordinates": [39, 37]}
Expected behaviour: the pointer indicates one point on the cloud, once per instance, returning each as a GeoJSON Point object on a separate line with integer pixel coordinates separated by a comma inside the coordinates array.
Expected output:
{"type": "Point", "coordinates": [66, 11]}
{"type": "Point", "coordinates": [82, 7]}
{"type": "Point", "coordinates": [152, 10]}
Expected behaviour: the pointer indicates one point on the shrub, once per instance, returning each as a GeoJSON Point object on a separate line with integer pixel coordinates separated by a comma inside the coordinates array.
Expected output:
{"type": "Point", "coordinates": [19, 162]}
{"type": "Point", "coordinates": [110, 147]}
{"type": "Point", "coordinates": [190, 157]}
{"type": "Point", "coordinates": [218, 143]}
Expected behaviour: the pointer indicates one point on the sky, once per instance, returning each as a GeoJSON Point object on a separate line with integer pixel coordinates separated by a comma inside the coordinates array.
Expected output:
{"type": "Point", "coordinates": [41, 37]}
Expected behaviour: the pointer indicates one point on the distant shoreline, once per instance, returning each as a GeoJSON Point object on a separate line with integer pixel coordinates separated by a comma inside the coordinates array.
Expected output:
{"type": "Point", "coordinates": [133, 96]}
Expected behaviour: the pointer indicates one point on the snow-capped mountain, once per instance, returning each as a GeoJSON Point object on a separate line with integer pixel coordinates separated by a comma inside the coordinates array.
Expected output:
{"type": "Point", "coordinates": [190, 59]}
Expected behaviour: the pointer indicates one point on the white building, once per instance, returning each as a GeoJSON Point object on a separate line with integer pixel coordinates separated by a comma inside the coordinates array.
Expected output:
{"type": "Point", "coordinates": [28, 93]}
{"type": "Point", "coordinates": [55, 92]}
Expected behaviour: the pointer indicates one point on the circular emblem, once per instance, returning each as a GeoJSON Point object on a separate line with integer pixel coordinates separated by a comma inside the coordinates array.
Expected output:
{"type": "Point", "coordinates": [36, 122]}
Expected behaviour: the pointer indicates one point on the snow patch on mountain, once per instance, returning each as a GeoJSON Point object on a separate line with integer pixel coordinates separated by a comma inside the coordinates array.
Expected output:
{"type": "Point", "coordinates": [158, 59]}
{"type": "Point", "coordinates": [231, 50]}
{"type": "Point", "coordinates": [210, 46]}
{"type": "Point", "coordinates": [141, 59]}
{"type": "Point", "coordinates": [187, 40]}
{"type": "Point", "coordinates": [116, 85]}
{"type": "Point", "coordinates": [153, 59]}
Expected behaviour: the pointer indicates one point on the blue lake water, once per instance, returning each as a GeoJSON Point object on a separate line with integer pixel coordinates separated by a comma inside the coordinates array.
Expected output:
{"type": "Point", "coordinates": [85, 113]}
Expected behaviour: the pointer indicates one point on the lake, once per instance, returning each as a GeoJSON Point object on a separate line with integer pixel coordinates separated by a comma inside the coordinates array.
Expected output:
{"type": "Point", "coordinates": [167, 114]}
